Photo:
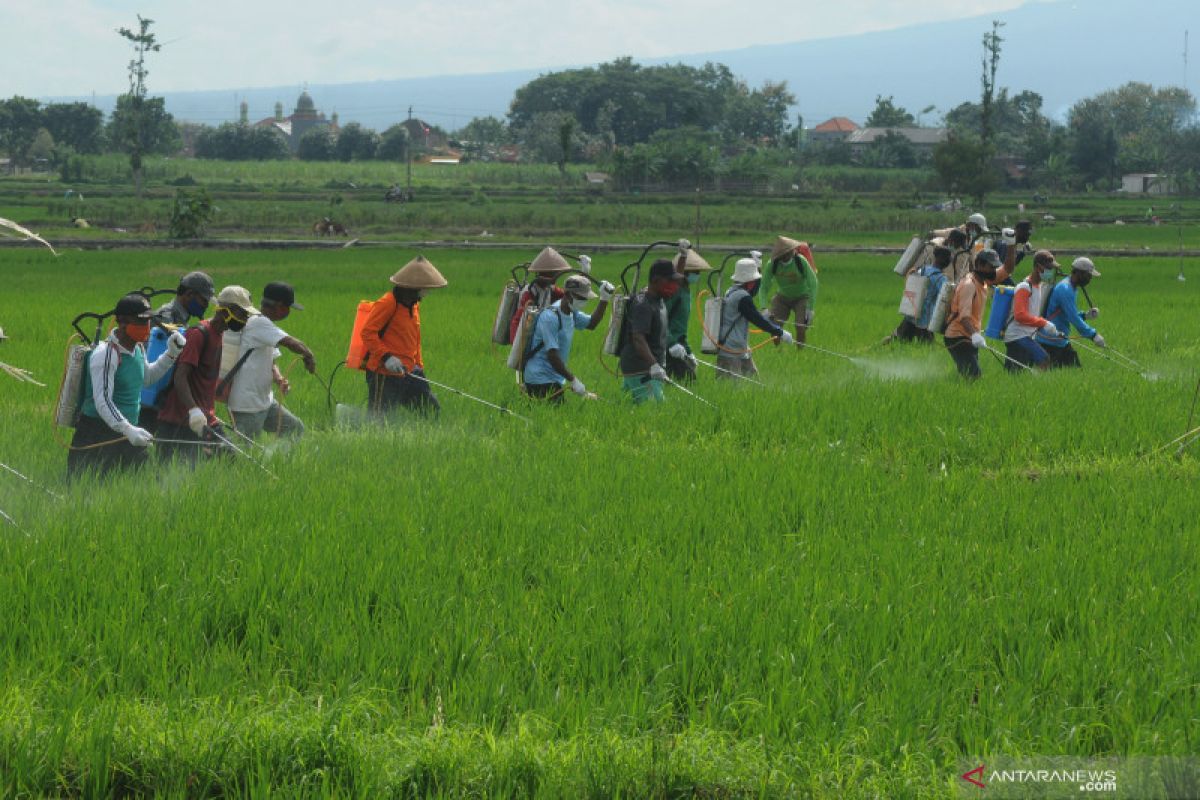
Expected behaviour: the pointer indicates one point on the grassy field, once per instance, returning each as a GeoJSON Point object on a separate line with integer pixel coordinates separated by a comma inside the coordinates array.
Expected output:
{"type": "Point", "coordinates": [843, 585]}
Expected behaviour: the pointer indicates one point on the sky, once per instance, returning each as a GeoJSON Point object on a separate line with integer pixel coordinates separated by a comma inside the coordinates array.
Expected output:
{"type": "Point", "coordinates": [70, 47]}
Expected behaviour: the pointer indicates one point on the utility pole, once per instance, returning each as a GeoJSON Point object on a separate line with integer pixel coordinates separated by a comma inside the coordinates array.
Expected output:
{"type": "Point", "coordinates": [408, 154]}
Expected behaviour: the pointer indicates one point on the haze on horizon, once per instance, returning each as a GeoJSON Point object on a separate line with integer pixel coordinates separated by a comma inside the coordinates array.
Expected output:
{"type": "Point", "coordinates": [70, 47]}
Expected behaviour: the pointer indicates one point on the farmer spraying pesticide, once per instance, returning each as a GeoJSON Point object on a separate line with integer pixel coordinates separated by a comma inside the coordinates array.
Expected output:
{"type": "Point", "coordinates": [547, 370]}
{"type": "Point", "coordinates": [1026, 319]}
{"type": "Point", "coordinates": [192, 298]}
{"type": "Point", "coordinates": [541, 291]}
{"type": "Point", "coordinates": [252, 403]}
{"type": "Point", "coordinates": [645, 347]}
{"type": "Point", "coordinates": [737, 312]}
{"type": "Point", "coordinates": [391, 337]}
{"type": "Point", "coordinates": [963, 337]}
{"type": "Point", "coordinates": [933, 277]}
{"type": "Point", "coordinates": [681, 363]}
{"type": "Point", "coordinates": [793, 269]}
{"type": "Point", "coordinates": [188, 417]}
{"type": "Point", "coordinates": [1063, 312]}
{"type": "Point", "coordinates": [117, 371]}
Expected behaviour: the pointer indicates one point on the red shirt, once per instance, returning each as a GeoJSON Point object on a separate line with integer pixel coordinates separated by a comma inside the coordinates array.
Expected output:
{"type": "Point", "coordinates": [205, 360]}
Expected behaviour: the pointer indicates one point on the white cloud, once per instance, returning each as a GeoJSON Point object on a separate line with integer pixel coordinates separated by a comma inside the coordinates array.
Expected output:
{"type": "Point", "coordinates": [68, 47]}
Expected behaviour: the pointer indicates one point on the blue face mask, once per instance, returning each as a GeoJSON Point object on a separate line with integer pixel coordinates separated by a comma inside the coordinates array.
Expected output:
{"type": "Point", "coordinates": [693, 277]}
{"type": "Point", "coordinates": [196, 307]}
{"type": "Point", "coordinates": [1048, 275]}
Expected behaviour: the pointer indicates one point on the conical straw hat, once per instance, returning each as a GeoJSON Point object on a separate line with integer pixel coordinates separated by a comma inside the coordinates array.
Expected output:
{"type": "Point", "coordinates": [549, 262]}
{"type": "Point", "coordinates": [783, 246]}
{"type": "Point", "coordinates": [694, 262]}
{"type": "Point", "coordinates": [419, 274]}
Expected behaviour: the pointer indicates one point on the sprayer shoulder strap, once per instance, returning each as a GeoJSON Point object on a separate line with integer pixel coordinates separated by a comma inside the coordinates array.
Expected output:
{"type": "Point", "coordinates": [725, 331]}
{"type": "Point", "coordinates": [535, 348]}
{"type": "Point", "coordinates": [227, 381]}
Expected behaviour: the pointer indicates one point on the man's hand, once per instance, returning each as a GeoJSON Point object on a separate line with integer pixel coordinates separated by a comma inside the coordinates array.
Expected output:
{"type": "Point", "coordinates": [138, 437]}
{"type": "Point", "coordinates": [578, 388]}
{"type": "Point", "coordinates": [1099, 341]}
{"type": "Point", "coordinates": [606, 291]}
{"type": "Point", "coordinates": [691, 359]}
{"type": "Point", "coordinates": [1050, 332]}
{"type": "Point", "coordinates": [197, 421]}
{"type": "Point", "coordinates": [310, 362]}
{"type": "Point", "coordinates": [1008, 236]}
{"type": "Point", "coordinates": [393, 364]}
{"type": "Point", "coordinates": [175, 345]}
{"type": "Point", "coordinates": [978, 340]}
{"type": "Point", "coordinates": [284, 384]}
{"type": "Point", "coordinates": [785, 338]}
{"type": "Point", "coordinates": [1091, 313]}
{"type": "Point", "coordinates": [657, 373]}
{"type": "Point", "coordinates": [808, 317]}
{"type": "Point", "coordinates": [677, 351]}
{"type": "Point", "coordinates": [585, 265]}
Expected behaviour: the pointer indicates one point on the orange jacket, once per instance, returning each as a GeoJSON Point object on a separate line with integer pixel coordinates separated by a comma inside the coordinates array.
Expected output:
{"type": "Point", "coordinates": [402, 337]}
{"type": "Point", "coordinates": [966, 307]}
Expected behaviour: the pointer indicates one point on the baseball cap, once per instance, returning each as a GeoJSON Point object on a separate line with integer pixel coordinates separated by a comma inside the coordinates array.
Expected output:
{"type": "Point", "coordinates": [1084, 264]}
{"type": "Point", "coordinates": [281, 293]}
{"type": "Point", "coordinates": [198, 282]}
{"type": "Point", "coordinates": [1046, 259]}
{"type": "Point", "coordinates": [238, 297]}
{"type": "Point", "coordinates": [579, 287]}
{"type": "Point", "coordinates": [133, 305]}
{"type": "Point", "coordinates": [991, 257]}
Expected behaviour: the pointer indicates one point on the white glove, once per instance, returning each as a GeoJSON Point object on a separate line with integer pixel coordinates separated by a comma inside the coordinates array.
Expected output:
{"type": "Point", "coordinates": [786, 338]}
{"type": "Point", "coordinates": [175, 343]}
{"type": "Point", "coordinates": [606, 291]}
{"type": "Point", "coordinates": [1008, 236]}
{"type": "Point", "coordinates": [684, 246]}
{"type": "Point", "coordinates": [585, 265]}
{"type": "Point", "coordinates": [691, 359]}
{"type": "Point", "coordinates": [808, 315]}
{"type": "Point", "coordinates": [757, 256]}
{"type": "Point", "coordinates": [657, 373]}
{"type": "Point", "coordinates": [1050, 332]}
{"type": "Point", "coordinates": [197, 421]}
{"type": "Point", "coordinates": [677, 351]}
{"type": "Point", "coordinates": [578, 388]}
{"type": "Point", "coordinates": [978, 340]}
{"type": "Point", "coordinates": [138, 437]}
{"type": "Point", "coordinates": [1091, 313]}
{"type": "Point", "coordinates": [1098, 340]}
{"type": "Point", "coordinates": [393, 364]}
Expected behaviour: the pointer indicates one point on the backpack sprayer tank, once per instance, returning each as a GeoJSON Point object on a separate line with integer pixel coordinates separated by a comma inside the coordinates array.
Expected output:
{"type": "Point", "coordinates": [1002, 303]}
{"type": "Point", "coordinates": [909, 257]}
{"type": "Point", "coordinates": [937, 318]}
{"type": "Point", "coordinates": [614, 338]}
{"type": "Point", "coordinates": [507, 307]}
{"type": "Point", "coordinates": [519, 352]}
{"type": "Point", "coordinates": [70, 391]}
{"type": "Point", "coordinates": [712, 308]}
{"type": "Point", "coordinates": [915, 286]}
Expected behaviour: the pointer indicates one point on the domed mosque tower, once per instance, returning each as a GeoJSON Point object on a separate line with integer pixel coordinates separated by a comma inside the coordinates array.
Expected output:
{"type": "Point", "coordinates": [305, 117]}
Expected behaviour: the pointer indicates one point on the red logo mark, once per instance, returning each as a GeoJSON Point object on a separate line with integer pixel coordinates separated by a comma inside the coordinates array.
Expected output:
{"type": "Point", "coordinates": [978, 771]}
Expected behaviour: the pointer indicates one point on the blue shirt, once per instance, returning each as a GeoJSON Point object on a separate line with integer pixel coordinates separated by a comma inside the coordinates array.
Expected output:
{"type": "Point", "coordinates": [1063, 311]}
{"type": "Point", "coordinates": [554, 330]}
{"type": "Point", "coordinates": [936, 281]}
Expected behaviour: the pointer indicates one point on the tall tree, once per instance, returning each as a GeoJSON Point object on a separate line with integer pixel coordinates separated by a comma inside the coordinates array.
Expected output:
{"type": "Point", "coordinates": [75, 124]}
{"type": "Point", "coordinates": [20, 121]}
{"type": "Point", "coordinates": [889, 115]}
{"type": "Point", "coordinates": [132, 134]}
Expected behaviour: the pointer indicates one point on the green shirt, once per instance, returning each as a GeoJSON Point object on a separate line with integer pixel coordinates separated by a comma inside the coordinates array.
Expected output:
{"type": "Point", "coordinates": [796, 279]}
{"type": "Point", "coordinates": [679, 311]}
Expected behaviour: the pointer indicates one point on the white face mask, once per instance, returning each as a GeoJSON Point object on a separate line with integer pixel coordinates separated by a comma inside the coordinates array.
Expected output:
{"type": "Point", "coordinates": [1048, 275]}
{"type": "Point", "coordinates": [578, 302]}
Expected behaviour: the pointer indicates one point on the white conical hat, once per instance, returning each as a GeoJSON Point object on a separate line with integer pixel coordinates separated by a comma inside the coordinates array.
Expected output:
{"type": "Point", "coordinates": [783, 246]}
{"type": "Point", "coordinates": [419, 274]}
{"type": "Point", "coordinates": [693, 263]}
{"type": "Point", "coordinates": [549, 262]}
{"type": "Point", "coordinates": [746, 270]}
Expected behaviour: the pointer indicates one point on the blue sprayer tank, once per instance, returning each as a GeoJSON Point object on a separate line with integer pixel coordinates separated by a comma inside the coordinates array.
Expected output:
{"type": "Point", "coordinates": [1002, 303]}
{"type": "Point", "coordinates": [156, 346]}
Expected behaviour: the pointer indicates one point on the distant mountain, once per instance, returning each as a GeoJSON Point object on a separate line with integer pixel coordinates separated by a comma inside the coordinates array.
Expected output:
{"type": "Point", "coordinates": [1063, 50]}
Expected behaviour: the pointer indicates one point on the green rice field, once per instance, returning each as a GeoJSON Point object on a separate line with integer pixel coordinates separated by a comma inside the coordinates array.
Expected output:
{"type": "Point", "coordinates": [850, 583]}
